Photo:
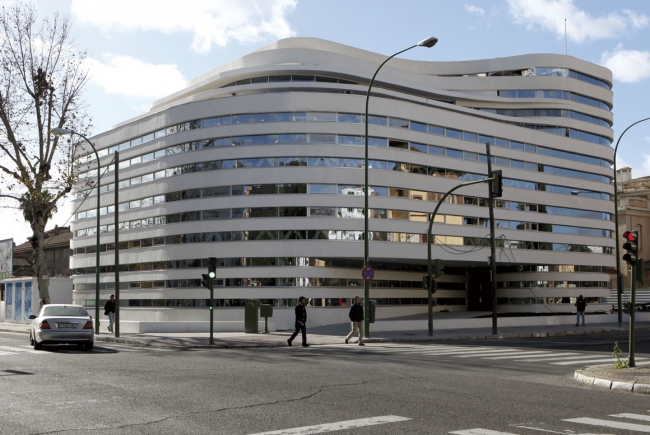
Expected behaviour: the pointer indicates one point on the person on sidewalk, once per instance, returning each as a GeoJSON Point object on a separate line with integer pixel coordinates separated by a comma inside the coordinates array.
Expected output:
{"type": "Point", "coordinates": [356, 317]}
{"type": "Point", "coordinates": [109, 310]}
{"type": "Point", "coordinates": [581, 306]}
{"type": "Point", "coordinates": [301, 320]}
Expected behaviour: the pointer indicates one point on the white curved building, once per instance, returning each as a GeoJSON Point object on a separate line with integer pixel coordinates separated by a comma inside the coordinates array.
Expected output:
{"type": "Point", "coordinates": [260, 163]}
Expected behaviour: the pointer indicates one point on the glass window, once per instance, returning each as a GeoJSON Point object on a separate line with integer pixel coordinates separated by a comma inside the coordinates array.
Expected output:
{"type": "Point", "coordinates": [470, 156]}
{"type": "Point", "coordinates": [291, 161]}
{"type": "Point", "coordinates": [349, 140]}
{"type": "Point", "coordinates": [436, 150]}
{"type": "Point", "coordinates": [323, 161]}
{"type": "Point", "coordinates": [516, 164]}
{"type": "Point", "coordinates": [216, 214]}
{"type": "Point", "coordinates": [501, 143]}
{"type": "Point", "coordinates": [282, 78]}
{"type": "Point", "coordinates": [216, 191]}
{"type": "Point", "coordinates": [398, 214]}
{"type": "Point", "coordinates": [377, 120]}
{"type": "Point", "coordinates": [434, 129]}
{"type": "Point", "coordinates": [516, 145]}
{"type": "Point", "coordinates": [418, 127]}
{"type": "Point", "coordinates": [454, 133]}
{"type": "Point", "coordinates": [322, 211]}
{"type": "Point", "coordinates": [321, 116]}
{"type": "Point", "coordinates": [322, 188]}
{"type": "Point", "coordinates": [530, 148]}
{"type": "Point", "coordinates": [397, 122]}
{"type": "Point", "coordinates": [322, 138]}
{"type": "Point", "coordinates": [486, 139]}
{"type": "Point", "coordinates": [353, 118]}
{"type": "Point", "coordinates": [418, 147]}
{"type": "Point", "coordinates": [470, 136]}
{"type": "Point", "coordinates": [454, 154]}
{"type": "Point", "coordinates": [377, 142]}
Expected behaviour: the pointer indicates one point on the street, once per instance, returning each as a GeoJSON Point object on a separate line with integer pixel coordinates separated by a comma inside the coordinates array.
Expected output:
{"type": "Point", "coordinates": [508, 386]}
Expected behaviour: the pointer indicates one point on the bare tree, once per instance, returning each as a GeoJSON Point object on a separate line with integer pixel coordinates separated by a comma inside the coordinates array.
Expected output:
{"type": "Point", "coordinates": [42, 76]}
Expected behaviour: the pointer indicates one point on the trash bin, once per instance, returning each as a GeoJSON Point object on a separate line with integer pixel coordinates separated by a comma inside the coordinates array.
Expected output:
{"type": "Point", "coordinates": [266, 311]}
{"type": "Point", "coordinates": [371, 315]}
{"type": "Point", "coordinates": [251, 316]}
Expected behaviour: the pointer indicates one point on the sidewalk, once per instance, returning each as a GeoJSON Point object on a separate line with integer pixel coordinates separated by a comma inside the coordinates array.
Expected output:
{"type": "Point", "coordinates": [636, 380]}
{"type": "Point", "coordinates": [334, 334]}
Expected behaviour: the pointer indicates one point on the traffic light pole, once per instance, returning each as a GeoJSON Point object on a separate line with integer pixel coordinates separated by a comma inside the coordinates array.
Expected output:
{"type": "Point", "coordinates": [493, 271]}
{"type": "Point", "coordinates": [211, 311]}
{"type": "Point", "coordinates": [430, 239]}
{"type": "Point", "coordinates": [631, 362]}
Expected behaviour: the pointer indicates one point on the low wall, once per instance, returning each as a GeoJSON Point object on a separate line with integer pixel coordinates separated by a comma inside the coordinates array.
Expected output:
{"type": "Point", "coordinates": [422, 325]}
{"type": "Point", "coordinates": [136, 327]}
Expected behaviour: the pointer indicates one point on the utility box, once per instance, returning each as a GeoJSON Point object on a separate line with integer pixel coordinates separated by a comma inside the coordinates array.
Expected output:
{"type": "Point", "coordinates": [251, 316]}
{"type": "Point", "coordinates": [371, 314]}
{"type": "Point", "coordinates": [266, 311]}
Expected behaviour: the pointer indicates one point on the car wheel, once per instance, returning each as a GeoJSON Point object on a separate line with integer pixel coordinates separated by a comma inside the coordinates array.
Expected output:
{"type": "Point", "coordinates": [37, 345]}
{"type": "Point", "coordinates": [89, 346]}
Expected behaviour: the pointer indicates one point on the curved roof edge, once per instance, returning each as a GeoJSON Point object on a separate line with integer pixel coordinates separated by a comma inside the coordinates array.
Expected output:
{"type": "Point", "coordinates": [440, 68]}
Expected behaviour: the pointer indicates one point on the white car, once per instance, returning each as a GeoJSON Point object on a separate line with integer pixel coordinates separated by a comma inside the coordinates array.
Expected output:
{"type": "Point", "coordinates": [62, 324]}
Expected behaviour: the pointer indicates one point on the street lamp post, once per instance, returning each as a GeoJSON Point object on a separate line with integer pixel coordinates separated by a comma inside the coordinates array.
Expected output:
{"type": "Point", "coordinates": [619, 287]}
{"type": "Point", "coordinates": [428, 42]}
{"type": "Point", "coordinates": [61, 132]}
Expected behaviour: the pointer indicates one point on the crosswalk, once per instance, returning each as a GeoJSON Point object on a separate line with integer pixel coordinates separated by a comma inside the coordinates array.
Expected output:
{"type": "Point", "coordinates": [506, 354]}
{"type": "Point", "coordinates": [27, 350]}
{"type": "Point", "coordinates": [637, 423]}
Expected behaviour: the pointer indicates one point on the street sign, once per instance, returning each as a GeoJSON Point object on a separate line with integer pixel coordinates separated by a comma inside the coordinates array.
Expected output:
{"type": "Point", "coordinates": [368, 273]}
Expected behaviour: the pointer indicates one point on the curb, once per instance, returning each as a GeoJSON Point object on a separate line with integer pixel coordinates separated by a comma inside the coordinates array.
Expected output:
{"type": "Point", "coordinates": [631, 387]}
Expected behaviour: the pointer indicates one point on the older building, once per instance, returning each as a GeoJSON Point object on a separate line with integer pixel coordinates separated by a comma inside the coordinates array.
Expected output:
{"type": "Point", "coordinates": [57, 252]}
{"type": "Point", "coordinates": [260, 163]}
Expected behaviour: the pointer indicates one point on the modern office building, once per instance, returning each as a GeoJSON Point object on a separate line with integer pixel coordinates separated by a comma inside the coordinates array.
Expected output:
{"type": "Point", "coordinates": [260, 164]}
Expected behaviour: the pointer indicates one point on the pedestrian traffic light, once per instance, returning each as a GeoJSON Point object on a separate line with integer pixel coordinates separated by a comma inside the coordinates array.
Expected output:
{"type": "Point", "coordinates": [212, 267]}
{"type": "Point", "coordinates": [207, 281]}
{"type": "Point", "coordinates": [425, 283]}
{"type": "Point", "coordinates": [439, 269]}
{"type": "Point", "coordinates": [627, 307]}
{"type": "Point", "coordinates": [631, 246]}
{"type": "Point", "coordinates": [639, 270]}
{"type": "Point", "coordinates": [497, 183]}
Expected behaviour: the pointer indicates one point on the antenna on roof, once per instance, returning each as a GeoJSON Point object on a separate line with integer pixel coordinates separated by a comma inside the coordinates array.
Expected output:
{"type": "Point", "coordinates": [566, 51]}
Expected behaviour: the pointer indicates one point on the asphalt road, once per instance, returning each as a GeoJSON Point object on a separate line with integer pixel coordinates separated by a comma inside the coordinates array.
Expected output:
{"type": "Point", "coordinates": [507, 386]}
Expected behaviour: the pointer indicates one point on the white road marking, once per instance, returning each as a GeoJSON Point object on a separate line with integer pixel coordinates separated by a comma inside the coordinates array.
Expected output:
{"type": "Point", "coordinates": [490, 353]}
{"type": "Point", "coordinates": [7, 353]}
{"type": "Point", "coordinates": [589, 361]}
{"type": "Point", "coordinates": [340, 425]}
{"type": "Point", "coordinates": [632, 416]}
{"type": "Point", "coordinates": [20, 349]}
{"type": "Point", "coordinates": [472, 353]}
{"type": "Point", "coordinates": [479, 431]}
{"type": "Point", "coordinates": [521, 355]}
{"type": "Point", "coordinates": [608, 423]}
{"type": "Point", "coordinates": [563, 356]}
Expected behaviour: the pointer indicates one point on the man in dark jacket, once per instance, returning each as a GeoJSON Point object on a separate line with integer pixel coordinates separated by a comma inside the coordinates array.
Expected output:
{"type": "Point", "coordinates": [581, 306]}
{"type": "Point", "coordinates": [356, 317]}
{"type": "Point", "coordinates": [109, 310]}
{"type": "Point", "coordinates": [301, 320]}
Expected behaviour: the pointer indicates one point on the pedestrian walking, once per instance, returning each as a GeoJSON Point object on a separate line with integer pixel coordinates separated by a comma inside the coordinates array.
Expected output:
{"type": "Point", "coordinates": [356, 317]}
{"type": "Point", "coordinates": [301, 320]}
{"type": "Point", "coordinates": [581, 306]}
{"type": "Point", "coordinates": [109, 310]}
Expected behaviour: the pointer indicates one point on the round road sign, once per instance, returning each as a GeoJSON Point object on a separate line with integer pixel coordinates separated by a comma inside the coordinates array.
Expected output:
{"type": "Point", "coordinates": [368, 273]}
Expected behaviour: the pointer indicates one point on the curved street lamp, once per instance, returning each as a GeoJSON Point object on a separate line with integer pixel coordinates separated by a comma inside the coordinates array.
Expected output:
{"type": "Point", "coordinates": [62, 132]}
{"type": "Point", "coordinates": [619, 287]}
{"type": "Point", "coordinates": [428, 43]}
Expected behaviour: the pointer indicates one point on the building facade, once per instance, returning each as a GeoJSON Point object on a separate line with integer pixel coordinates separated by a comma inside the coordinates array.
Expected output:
{"type": "Point", "coordinates": [260, 164]}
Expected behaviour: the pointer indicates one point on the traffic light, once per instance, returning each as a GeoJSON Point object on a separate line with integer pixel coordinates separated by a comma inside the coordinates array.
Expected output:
{"type": "Point", "coordinates": [627, 307]}
{"type": "Point", "coordinates": [639, 270]}
{"type": "Point", "coordinates": [212, 267]}
{"type": "Point", "coordinates": [207, 281]}
{"type": "Point", "coordinates": [425, 283]}
{"type": "Point", "coordinates": [497, 183]}
{"type": "Point", "coordinates": [439, 269]}
{"type": "Point", "coordinates": [631, 246]}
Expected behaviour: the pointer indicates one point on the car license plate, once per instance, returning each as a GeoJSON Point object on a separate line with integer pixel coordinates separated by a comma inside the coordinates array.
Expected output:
{"type": "Point", "coordinates": [66, 325]}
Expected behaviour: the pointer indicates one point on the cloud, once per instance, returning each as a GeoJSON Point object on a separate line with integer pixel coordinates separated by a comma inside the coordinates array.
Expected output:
{"type": "Point", "coordinates": [644, 169]}
{"type": "Point", "coordinates": [473, 9]}
{"type": "Point", "coordinates": [628, 66]}
{"type": "Point", "coordinates": [124, 75]}
{"type": "Point", "coordinates": [647, 139]}
{"type": "Point", "coordinates": [211, 22]}
{"type": "Point", "coordinates": [550, 14]}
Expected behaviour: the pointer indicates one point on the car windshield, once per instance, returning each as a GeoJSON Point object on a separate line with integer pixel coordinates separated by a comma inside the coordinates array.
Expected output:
{"type": "Point", "coordinates": [65, 311]}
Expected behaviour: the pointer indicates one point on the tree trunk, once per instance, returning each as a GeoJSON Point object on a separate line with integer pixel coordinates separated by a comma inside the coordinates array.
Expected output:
{"type": "Point", "coordinates": [40, 260]}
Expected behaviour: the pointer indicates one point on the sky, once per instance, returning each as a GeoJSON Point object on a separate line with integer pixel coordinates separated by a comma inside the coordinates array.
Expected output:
{"type": "Point", "coordinates": [142, 50]}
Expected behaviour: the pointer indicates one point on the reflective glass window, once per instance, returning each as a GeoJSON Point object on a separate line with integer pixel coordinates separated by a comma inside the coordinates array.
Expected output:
{"type": "Point", "coordinates": [322, 138]}
{"type": "Point", "coordinates": [501, 143]}
{"type": "Point", "coordinates": [349, 140]}
{"type": "Point", "coordinates": [281, 78]}
{"type": "Point", "coordinates": [377, 120]}
{"type": "Point", "coordinates": [397, 122]}
{"type": "Point", "coordinates": [418, 126]}
{"type": "Point", "coordinates": [323, 161]}
{"type": "Point", "coordinates": [216, 214]}
{"type": "Point", "coordinates": [470, 136]}
{"type": "Point", "coordinates": [454, 154]}
{"type": "Point", "coordinates": [516, 145]}
{"type": "Point", "coordinates": [377, 142]}
{"type": "Point", "coordinates": [434, 129]}
{"type": "Point", "coordinates": [436, 150]}
{"type": "Point", "coordinates": [353, 118]}
{"type": "Point", "coordinates": [291, 161]}
{"type": "Point", "coordinates": [322, 188]}
{"type": "Point", "coordinates": [454, 133]}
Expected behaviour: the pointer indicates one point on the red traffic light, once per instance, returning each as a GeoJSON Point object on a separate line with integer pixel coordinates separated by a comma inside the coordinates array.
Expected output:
{"type": "Point", "coordinates": [630, 236]}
